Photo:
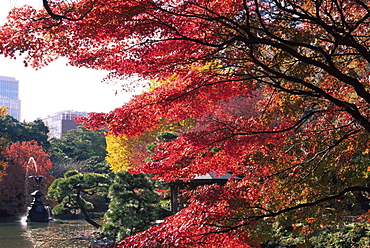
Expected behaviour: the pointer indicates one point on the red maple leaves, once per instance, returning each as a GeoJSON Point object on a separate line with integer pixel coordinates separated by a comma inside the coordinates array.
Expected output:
{"type": "Point", "coordinates": [15, 185]}
{"type": "Point", "coordinates": [279, 91]}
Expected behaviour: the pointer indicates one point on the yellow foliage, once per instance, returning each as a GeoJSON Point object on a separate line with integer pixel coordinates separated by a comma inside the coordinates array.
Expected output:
{"type": "Point", "coordinates": [119, 153]}
{"type": "Point", "coordinates": [121, 150]}
{"type": "Point", "coordinates": [4, 110]}
{"type": "Point", "coordinates": [156, 83]}
{"type": "Point", "coordinates": [212, 65]}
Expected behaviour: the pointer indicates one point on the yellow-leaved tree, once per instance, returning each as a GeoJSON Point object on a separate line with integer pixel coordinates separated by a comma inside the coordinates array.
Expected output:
{"type": "Point", "coordinates": [4, 110]}
{"type": "Point", "coordinates": [123, 151]}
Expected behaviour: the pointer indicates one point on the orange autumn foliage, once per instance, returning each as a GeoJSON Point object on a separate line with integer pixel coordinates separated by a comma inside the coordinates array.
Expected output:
{"type": "Point", "coordinates": [15, 185]}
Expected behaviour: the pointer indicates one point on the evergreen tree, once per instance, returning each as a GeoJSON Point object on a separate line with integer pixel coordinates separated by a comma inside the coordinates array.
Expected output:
{"type": "Point", "coordinates": [134, 205]}
{"type": "Point", "coordinates": [76, 192]}
{"type": "Point", "coordinates": [11, 131]}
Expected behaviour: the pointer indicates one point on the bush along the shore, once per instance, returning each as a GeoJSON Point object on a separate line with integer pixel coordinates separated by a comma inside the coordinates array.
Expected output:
{"type": "Point", "coordinates": [347, 236]}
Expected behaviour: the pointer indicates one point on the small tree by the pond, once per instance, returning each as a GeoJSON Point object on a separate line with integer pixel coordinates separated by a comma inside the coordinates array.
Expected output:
{"type": "Point", "coordinates": [134, 205]}
{"type": "Point", "coordinates": [14, 186]}
{"type": "Point", "coordinates": [75, 191]}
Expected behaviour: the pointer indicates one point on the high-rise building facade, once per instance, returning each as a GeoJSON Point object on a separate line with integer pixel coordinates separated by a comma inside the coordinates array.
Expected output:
{"type": "Point", "coordinates": [60, 122]}
{"type": "Point", "coordinates": [9, 96]}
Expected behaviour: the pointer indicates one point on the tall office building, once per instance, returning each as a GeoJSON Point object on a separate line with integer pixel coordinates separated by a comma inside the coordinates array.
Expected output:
{"type": "Point", "coordinates": [9, 96]}
{"type": "Point", "coordinates": [60, 122]}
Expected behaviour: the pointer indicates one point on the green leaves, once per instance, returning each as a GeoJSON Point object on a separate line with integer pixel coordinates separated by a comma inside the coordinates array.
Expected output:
{"type": "Point", "coordinates": [80, 144]}
{"type": "Point", "coordinates": [12, 131]}
{"type": "Point", "coordinates": [134, 205]}
{"type": "Point", "coordinates": [76, 192]}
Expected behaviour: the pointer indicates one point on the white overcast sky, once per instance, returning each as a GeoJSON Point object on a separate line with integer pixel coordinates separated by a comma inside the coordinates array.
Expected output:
{"type": "Point", "coordinates": [58, 87]}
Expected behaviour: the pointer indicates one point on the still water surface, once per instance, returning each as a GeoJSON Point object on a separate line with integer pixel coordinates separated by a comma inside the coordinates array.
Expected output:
{"type": "Point", "coordinates": [15, 233]}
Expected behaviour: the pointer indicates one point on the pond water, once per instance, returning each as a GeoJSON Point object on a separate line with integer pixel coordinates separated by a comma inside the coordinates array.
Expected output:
{"type": "Point", "coordinates": [15, 233]}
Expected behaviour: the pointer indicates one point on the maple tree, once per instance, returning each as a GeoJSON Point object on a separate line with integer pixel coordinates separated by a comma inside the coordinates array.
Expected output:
{"type": "Point", "coordinates": [15, 186]}
{"type": "Point", "coordinates": [279, 90]}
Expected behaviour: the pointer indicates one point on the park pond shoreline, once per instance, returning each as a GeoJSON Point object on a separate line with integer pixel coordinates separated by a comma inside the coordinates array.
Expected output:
{"type": "Point", "coordinates": [60, 233]}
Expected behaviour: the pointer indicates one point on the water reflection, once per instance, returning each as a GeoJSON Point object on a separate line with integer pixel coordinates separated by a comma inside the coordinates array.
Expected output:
{"type": "Point", "coordinates": [59, 234]}
{"type": "Point", "coordinates": [12, 234]}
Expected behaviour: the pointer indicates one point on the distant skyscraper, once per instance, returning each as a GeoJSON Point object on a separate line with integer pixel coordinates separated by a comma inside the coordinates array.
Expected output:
{"type": "Point", "coordinates": [59, 123]}
{"type": "Point", "coordinates": [9, 97]}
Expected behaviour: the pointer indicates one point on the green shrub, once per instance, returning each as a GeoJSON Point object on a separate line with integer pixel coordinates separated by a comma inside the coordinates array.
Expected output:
{"type": "Point", "coordinates": [348, 236]}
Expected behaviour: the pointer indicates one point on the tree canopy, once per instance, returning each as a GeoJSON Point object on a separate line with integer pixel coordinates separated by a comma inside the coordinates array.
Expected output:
{"type": "Point", "coordinates": [23, 159]}
{"type": "Point", "coordinates": [80, 144]}
{"type": "Point", "coordinates": [75, 191]}
{"type": "Point", "coordinates": [279, 89]}
{"type": "Point", "coordinates": [79, 149]}
{"type": "Point", "coordinates": [3, 140]}
{"type": "Point", "coordinates": [11, 131]}
{"type": "Point", "coordinates": [124, 153]}
{"type": "Point", "coordinates": [134, 205]}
